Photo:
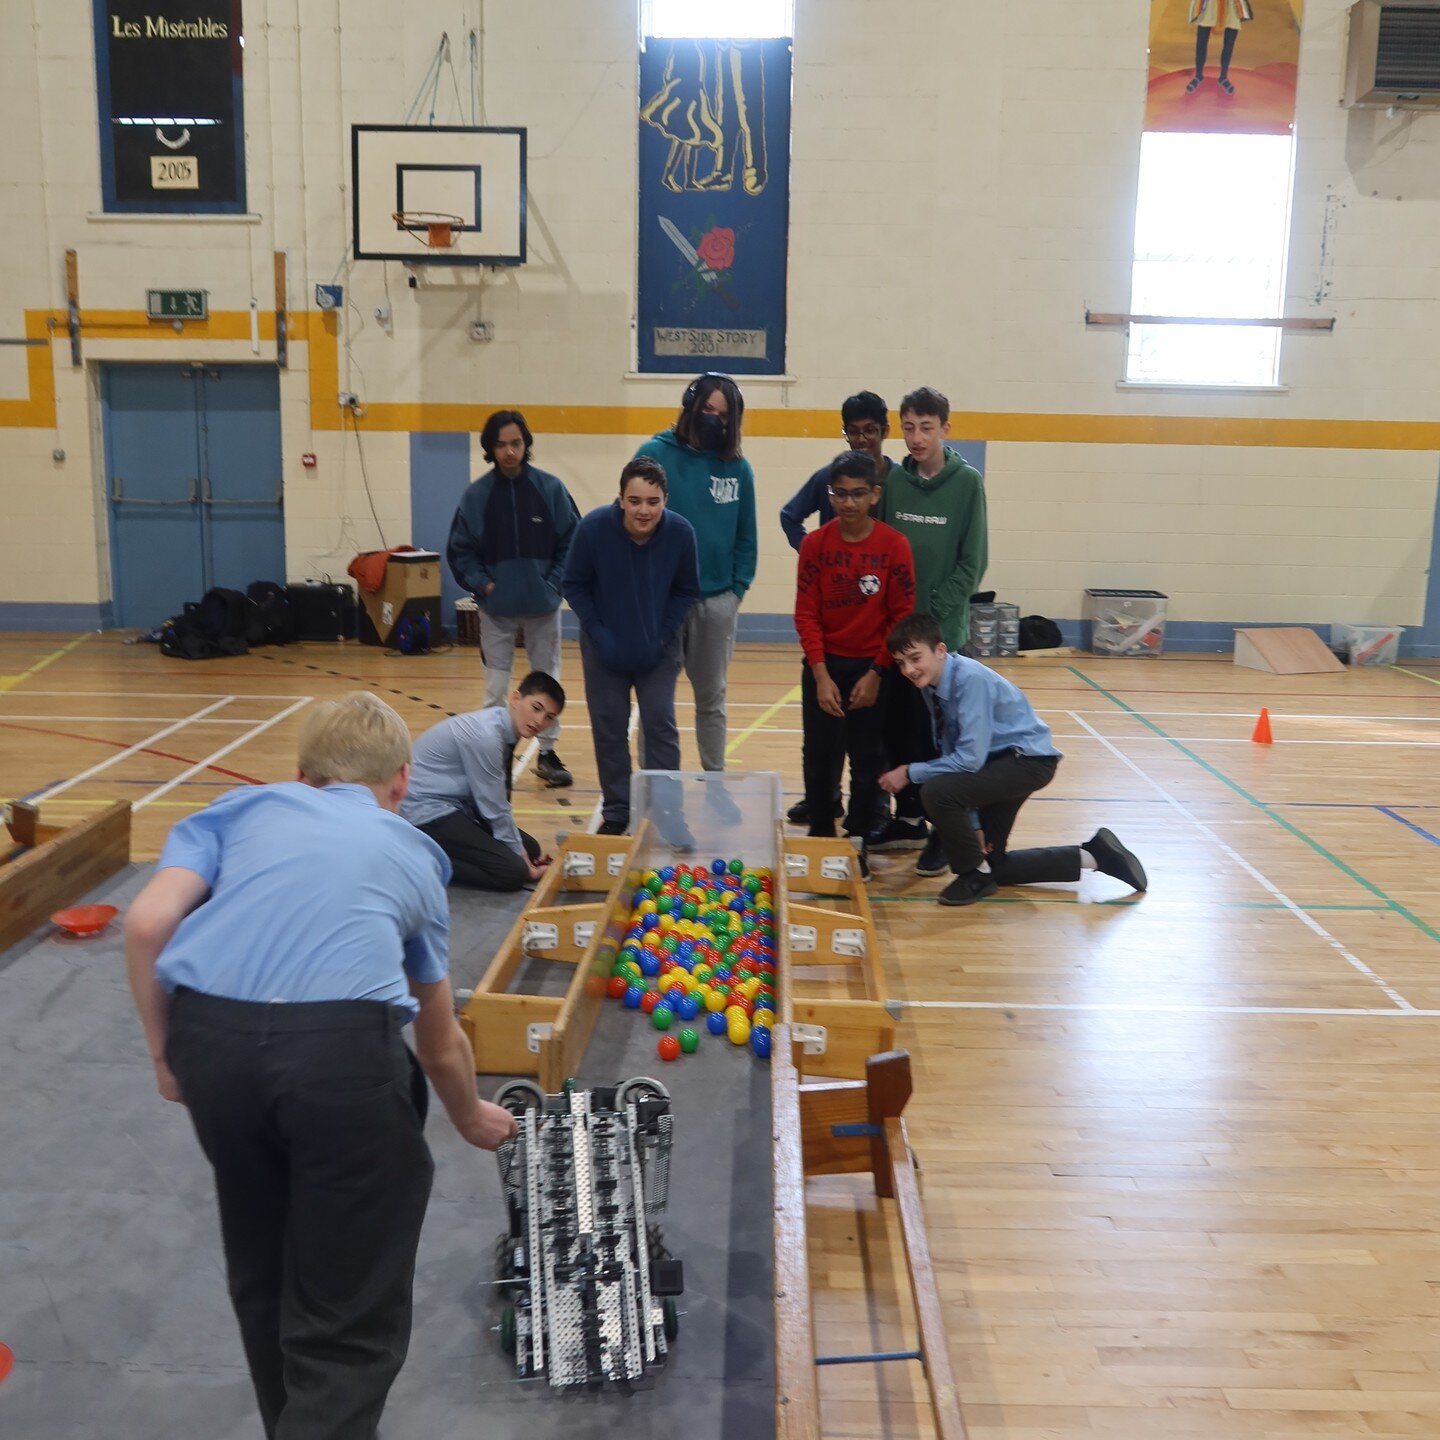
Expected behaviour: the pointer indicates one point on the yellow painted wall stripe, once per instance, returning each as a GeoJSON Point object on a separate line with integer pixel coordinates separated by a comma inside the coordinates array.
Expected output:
{"type": "Point", "coordinates": [320, 330]}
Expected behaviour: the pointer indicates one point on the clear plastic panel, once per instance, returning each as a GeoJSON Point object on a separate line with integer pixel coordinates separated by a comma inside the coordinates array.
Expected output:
{"type": "Point", "coordinates": [709, 815]}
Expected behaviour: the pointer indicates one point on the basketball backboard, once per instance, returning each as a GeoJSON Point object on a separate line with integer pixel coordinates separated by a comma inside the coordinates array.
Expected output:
{"type": "Point", "coordinates": [474, 173]}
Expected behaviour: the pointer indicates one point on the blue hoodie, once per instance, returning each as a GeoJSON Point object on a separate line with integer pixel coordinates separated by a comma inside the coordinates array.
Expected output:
{"type": "Point", "coordinates": [630, 599]}
{"type": "Point", "coordinates": [718, 498]}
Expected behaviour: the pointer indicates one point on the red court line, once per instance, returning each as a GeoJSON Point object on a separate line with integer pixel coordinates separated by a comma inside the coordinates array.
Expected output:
{"type": "Point", "coordinates": [121, 745]}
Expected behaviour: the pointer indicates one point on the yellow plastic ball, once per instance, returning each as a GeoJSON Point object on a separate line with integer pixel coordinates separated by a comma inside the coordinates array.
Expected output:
{"type": "Point", "coordinates": [739, 1031]}
{"type": "Point", "coordinates": [762, 1019]}
{"type": "Point", "coordinates": [714, 1000]}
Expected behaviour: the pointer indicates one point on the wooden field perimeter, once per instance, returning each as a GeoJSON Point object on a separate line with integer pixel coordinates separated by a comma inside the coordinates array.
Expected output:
{"type": "Point", "coordinates": [1180, 1151]}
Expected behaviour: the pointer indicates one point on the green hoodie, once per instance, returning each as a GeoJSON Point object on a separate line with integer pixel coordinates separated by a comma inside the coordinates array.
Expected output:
{"type": "Point", "coordinates": [718, 498]}
{"type": "Point", "coordinates": [943, 518]}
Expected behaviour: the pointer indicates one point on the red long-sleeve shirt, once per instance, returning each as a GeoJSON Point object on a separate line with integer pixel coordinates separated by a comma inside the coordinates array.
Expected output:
{"type": "Point", "coordinates": [849, 594]}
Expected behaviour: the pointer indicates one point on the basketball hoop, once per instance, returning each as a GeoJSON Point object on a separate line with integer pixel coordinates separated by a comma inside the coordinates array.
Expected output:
{"type": "Point", "coordinates": [439, 228]}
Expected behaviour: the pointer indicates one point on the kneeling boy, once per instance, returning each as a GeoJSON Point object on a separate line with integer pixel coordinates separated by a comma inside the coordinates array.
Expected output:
{"type": "Point", "coordinates": [995, 752]}
{"type": "Point", "coordinates": [459, 789]}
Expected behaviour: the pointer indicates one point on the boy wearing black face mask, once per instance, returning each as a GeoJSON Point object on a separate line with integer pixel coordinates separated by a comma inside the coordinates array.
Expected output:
{"type": "Point", "coordinates": [713, 487]}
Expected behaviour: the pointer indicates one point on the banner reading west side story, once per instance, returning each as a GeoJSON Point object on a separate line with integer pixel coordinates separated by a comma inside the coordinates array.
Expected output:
{"type": "Point", "coordinates": [714, 205]}
{"type": "Point", "coordinates": [172, 129]}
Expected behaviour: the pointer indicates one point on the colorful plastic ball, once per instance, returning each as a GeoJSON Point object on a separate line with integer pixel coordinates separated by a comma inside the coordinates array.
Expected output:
{"type": "Point", "coordinates": [715, 1003]}
{"type": "Point", "coordinates": [648, 1001]}
{"type": "Point", "coordinates": [689, 1040]}
{"type": "Point", "coordinates": [649, 964]}
{"type": "Point", "coordinates": [752, 884]}
{"type": "Point", "coordinates": [617, 987]}
{"type": "Point", "coordinates": [717, 867]}
{"type": "Point", "coordinates": [667, 873]}
{"type": "Point", "coordinates": [651, 919]}
{"type": "Point", "coordinates": [762, 1019]}
{"type": "Point", "coordinates": [662, 1017]}
{"type": "Point", "coordinates": [736, 867]}
{"type": "Point", "coordinates": [760, 1042]}
{"type": "Point", "coordinates": [689, 909]}
{"type": "Point", "coordinates": [715, 1023]}
{"type": "Point", "coordinates": [668, 1048]}
{"type": "Point", "coordinates": [633, 996]}
{"type": "Point", "coordinates": [738, 1031]}
{"type": "Point", "coordinates": [689, 1007]}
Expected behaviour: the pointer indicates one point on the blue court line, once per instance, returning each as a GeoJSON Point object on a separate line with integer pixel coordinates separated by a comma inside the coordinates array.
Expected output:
{"type": "Point", "coordinates": [1420, 830]}
{"type": "Point", "coordinates": [1345, 869]}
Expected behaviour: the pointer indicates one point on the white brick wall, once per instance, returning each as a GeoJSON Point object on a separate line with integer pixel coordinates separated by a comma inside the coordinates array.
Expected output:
{"type": "Point", "coordinates": [962, 189]}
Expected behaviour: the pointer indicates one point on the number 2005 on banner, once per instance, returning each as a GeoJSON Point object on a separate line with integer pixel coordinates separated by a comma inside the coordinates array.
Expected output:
{"type": "Point", "coordinates": [174, 172]}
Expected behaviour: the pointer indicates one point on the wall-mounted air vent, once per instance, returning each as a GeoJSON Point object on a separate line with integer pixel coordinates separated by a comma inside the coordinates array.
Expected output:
{"type": "Point", "coordinates": [1394, 54]}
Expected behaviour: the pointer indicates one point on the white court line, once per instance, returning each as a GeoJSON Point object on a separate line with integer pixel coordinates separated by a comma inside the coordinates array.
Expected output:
{"type": "Point", "coordinates": [152, 694]}
{"type": "Point", "coordinates": [126, 719]}
{"type": "Point", "coordinates": [1306, 919]}
{"type": "Point", "coordinates": [170, 729]}
{"type": "Point", "coordinates": [220, 754]}
{"type": "Point", "coordinates": [1235, 714]}
{"type": "Point", "coordinates": [1246, 740]}
{"type": "Point", "coordinates": [1100, 1007]}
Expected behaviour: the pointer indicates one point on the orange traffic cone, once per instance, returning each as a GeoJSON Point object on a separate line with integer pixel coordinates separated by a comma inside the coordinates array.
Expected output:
{"type": "Point", "coordinates": [1262, 735]}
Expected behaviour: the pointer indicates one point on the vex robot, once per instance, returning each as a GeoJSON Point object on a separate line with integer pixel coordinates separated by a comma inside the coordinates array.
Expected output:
{"type": "Point", "coordinates": [590, 1285]}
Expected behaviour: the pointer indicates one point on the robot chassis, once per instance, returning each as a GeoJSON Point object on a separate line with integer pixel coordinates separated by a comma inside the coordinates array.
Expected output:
{"type": "Point", "coordinates": [590, 1284]}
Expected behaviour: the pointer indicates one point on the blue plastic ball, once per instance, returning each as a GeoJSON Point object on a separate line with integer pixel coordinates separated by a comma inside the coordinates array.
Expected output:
{"type": "Point", "coordinates": [717, 867]}
{"type": "Point", "coordinates": [689, 1007]}
{"type": "Point", "coordinates": [649, 922]}
{"type": "Point", "coordinates": [632, 997]}
{"type": "Point", "coordinates": [760, 1041]}
{"type": "Point", "coordinates": [667, 874]}
{"type": "Point", "coordinates": [649, 964]}
{"type": "Point", "coordinates": [715, 1021]}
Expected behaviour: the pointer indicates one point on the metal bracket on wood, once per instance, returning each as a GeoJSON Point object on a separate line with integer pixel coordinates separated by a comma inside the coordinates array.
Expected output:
{"type": "Point", "coordinates": [812, 1038]}
{"type": "Point", "coordinates": [797, 865]}
{"type": "Point", "coordinates": [584, 933]}
{"type": "Point", "coordinates": [579, 864]}
{"type": "Point", "coordinates": [534, 1034]}
{"type": "Point", "coordinates": [802, 937]}
{"type": "Point", "coordinates": [539, 936]}
{"type": "Point", "coordinates": [615, 864]}
{"type": "Point", "coordinates": [849, 942]}
{"type": "Point", "coordinates": [836, 867]}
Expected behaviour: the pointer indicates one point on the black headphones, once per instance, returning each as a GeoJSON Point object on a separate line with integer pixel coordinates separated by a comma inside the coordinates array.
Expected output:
{"type": "Point", "coordinates": [693, 389]}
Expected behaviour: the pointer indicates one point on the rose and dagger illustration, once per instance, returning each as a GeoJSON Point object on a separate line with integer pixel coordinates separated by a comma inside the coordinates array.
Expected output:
{"type": "Point", "coordinates": [691, 256]}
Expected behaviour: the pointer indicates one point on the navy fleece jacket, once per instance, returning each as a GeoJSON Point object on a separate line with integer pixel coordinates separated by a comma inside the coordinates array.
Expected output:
{"type": "Point", "coordinates": [631, 599]}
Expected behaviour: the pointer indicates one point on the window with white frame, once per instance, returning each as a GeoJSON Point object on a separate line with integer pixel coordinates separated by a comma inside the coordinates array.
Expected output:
{"type": "Point", "coordinates": [703, 19]}
{"type": "Point", "coordinates": [1211, 225]}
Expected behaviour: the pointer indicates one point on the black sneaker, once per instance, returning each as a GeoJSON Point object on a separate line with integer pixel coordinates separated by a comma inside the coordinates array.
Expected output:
{"type": "Point", "coordinates": [932, 860]}
{"type": "Point", "coordinates": [551, 769]}
{"type": "Point", "coordinates": [967, 889]}
{"type": "Point", "coordinates": [613, 827]}
{"type": "Point", "coordinates": [1112, 858]}
{"type": "Point", "coordinates": [898, 834]}
{"type": "Point", "coordinates": [863, 860]}
{"type": "Point", "coordinates": [799, 812]}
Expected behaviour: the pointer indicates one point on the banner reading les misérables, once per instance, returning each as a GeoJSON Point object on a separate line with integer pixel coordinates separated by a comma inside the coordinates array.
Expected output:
{"type": "Point", "coordinates": [172, 132]}
{"type": "Point", "coordinates": [714, 205]}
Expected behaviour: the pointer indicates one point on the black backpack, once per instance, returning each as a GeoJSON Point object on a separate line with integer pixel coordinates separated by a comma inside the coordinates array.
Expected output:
{"type": "Point", "coordinates": [270, 621]}
{"type": "Point", "coordinates": [1038, 633]}
{"type": "Point", "coordinates": [208, 629]}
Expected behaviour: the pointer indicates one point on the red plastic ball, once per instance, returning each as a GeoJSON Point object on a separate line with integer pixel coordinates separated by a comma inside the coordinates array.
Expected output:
{"type": "Point", "coordinates": [668, 1048]}
{"type": "Point", "coordinates": [617, 987]}
{"type": "Point", "coordinates": [648, 1001]}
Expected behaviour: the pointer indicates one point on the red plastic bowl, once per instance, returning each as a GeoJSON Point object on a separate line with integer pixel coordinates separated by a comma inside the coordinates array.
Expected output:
{"type": "Point", "coordinates": [84, 919]}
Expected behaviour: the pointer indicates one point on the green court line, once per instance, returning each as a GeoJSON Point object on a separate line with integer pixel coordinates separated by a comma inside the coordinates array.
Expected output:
{"type": "Point", "coordinates": [1260, 805]}
{"type": "Point", "coordinates": [1133, 900]}
{"type": "Point", "coordinates": [1428, 679]}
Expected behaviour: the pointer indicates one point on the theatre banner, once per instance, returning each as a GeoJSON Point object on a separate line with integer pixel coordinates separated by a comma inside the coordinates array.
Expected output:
{"type": "Point", "coordinates": [1223, 67]}
{"type": "Point", "coordinates": [714, 209]}
{"type": "Point", "coordinates": [169, 76]}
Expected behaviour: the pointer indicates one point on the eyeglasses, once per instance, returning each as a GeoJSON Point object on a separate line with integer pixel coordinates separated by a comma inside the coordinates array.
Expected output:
{"type": "Point", "coordinates": [848, 496]}
{"type": "Point", "coordinates": [869, 431]}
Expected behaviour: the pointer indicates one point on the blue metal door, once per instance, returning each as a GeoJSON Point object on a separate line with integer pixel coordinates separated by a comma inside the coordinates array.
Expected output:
{"type": "Point", "coordinates": [192, 474]}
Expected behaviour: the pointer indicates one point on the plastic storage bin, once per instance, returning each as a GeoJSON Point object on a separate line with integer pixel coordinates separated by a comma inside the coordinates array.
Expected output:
{"type": "Point", "coordinates": [1367, 644]}
{"type": "Point", "coordinates": [994, 631]}
{"type": "Point", "coordinates": [467, 622]}
{"type": "Point", "coordinates": [722, 814]}
{"type": "Point", "coordinates": [1126, 622]}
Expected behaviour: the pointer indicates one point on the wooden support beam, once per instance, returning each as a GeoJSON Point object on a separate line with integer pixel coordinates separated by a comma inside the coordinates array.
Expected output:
{"type": "Point", "coordinates": [888, 1088]}
{"type": "Point", "coordinates": [58, 872]}
{"type": "Point", "coordinates": [797, 1391]}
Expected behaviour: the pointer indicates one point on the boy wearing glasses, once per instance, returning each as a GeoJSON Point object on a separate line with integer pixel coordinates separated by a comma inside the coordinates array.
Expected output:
{"type": "Point", "coordinates": [854, 583]}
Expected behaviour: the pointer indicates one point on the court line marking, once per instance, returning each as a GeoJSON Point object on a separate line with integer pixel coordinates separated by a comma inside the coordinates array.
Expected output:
{"type": "Point", "coordinates": [1151, 905]}
{"type": "Point", "coordinates": [130, 719]}
{"type": "Point", "coordinates": [220, 754]}
{"type": "Point", "coordinates": [9, 682]}
{"type": "Point", "coordinates": [1428, 679]}
{"type": "Point", "coordinates": [1423, 926]}
{"type": "Point", "coordinates": [1101, 1007]}
{"type": "Point", "coordinates": [1420, 830]}
{"type": "Point", "coordinates": [788, 698]}
{"type": "Point", "coordinates": [1264, 881]}
{"type": "Point", "coordinates": [62, 786]}
{"type": "Point", "coordinates": [151, 694]}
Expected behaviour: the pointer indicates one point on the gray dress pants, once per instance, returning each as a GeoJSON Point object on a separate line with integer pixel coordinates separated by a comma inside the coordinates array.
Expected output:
{"type": "Point", "coordinates": [708, 636]}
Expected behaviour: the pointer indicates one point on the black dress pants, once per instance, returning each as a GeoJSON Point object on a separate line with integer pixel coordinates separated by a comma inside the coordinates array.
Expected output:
{"type": "Point", "coordinates": [828, 739]}
{"type": "Point", "coordinates": [477, 859]}
{"type": "Point", "coordinates": [996, 792]}
{"type": "Point", "coordinates": [312, 1117]}
{"type": "Point", "coordinates": [908, 735]}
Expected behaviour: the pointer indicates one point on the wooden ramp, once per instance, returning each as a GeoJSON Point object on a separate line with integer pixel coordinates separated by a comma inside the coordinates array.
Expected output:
{"type": "Point", "coordinates": [1292, 650]}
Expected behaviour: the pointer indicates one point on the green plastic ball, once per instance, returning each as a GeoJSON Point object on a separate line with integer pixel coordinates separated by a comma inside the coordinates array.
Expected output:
{"type": "Point", "coordinates": [689, 1040]}
{"type": "Point", "coordinates": [661, 1017]}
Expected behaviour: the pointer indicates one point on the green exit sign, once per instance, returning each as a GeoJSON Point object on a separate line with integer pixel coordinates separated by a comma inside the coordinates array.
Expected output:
{"type": "Point", "coordinates": [177, 304]}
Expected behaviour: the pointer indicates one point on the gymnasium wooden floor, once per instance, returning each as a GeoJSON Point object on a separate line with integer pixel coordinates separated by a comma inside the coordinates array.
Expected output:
{"type": "Point", "coordinates": [1181, 1152]}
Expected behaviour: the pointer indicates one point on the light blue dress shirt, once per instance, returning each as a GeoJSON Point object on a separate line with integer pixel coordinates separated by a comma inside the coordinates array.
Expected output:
{"type": "Point", "coordinates": [314, 895]}
{"type": "Point", "coordinates": [977, 713]}
{"type": "Point", "coordinates": [460, 764]}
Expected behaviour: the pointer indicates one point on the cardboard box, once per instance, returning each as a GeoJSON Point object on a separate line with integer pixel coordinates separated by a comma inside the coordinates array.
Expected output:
{"type": "Point", "coordinates": [406, 606]}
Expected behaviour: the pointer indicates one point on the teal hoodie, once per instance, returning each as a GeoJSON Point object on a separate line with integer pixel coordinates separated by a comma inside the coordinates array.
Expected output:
{"type": "Point", "coordinates": [718, 498]}
{"type": "Point", "coordinates": [943, 518]}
